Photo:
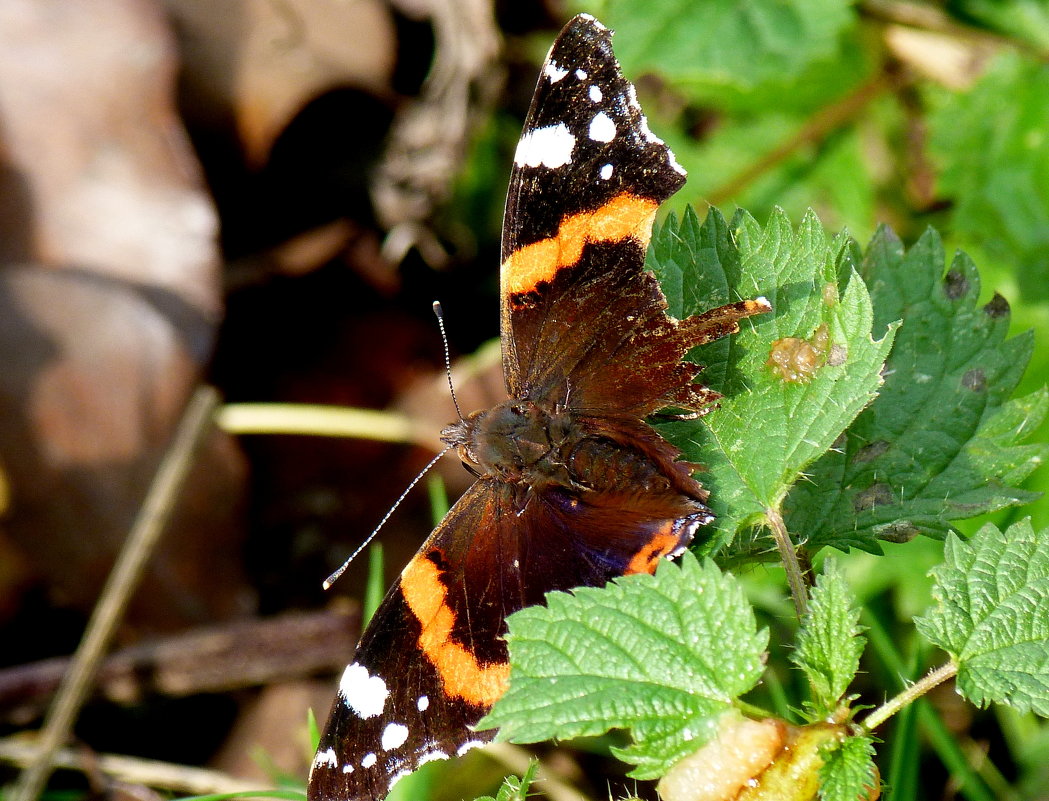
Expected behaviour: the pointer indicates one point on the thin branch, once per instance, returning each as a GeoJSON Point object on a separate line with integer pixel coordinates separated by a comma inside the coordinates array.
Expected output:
{"type": "Point", "coordinates": [926, 17]}
{"type": "Point", "coordinates": [218, 658]}
{"type": "Point", "coordinates": [426, 143]}
{"type": "Point", "coordinates": [913, 15]}
{"type": "Point", "coordinates": [819, 126]}
{"type": "Point", "coordinates": [323, 421]}
{"type": "Point", "coordinates": [909, 695]}
{"type": "Point", "coordinates": [123, 580]}
{"type": "Point", "coordinates": [180, 779]}
{"type": "Point", "coordinates": [789, 556]}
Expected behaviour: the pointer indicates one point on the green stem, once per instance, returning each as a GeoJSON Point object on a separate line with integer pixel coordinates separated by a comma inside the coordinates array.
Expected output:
{"type": "Point", "coordinates": [323, 421]}
{"type": "Point", "coordinates": [753, 711]}
{"type": "Point", "coordinates": [789, 556]}
{"type": "Point", "coordinates": [909, 695]}
{"type": "Point", "coordinates": [930, 724]}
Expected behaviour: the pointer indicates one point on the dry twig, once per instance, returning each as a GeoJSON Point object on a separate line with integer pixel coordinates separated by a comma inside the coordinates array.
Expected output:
{"type": "Point", "coordinates": [123, 580]}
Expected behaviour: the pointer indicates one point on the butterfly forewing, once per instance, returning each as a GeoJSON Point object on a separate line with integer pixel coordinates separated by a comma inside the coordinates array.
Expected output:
{"type": "Point", "coordinates": [587, 171]}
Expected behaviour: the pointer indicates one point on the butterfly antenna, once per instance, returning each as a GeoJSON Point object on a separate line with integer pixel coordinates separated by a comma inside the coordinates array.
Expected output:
{"type": "Point", "coordinates": [439, 313]}
{"type": "Point", "coordinates": [342, 568]}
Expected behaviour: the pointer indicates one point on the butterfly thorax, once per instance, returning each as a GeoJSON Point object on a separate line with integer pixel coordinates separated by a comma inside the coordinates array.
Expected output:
{"type": "Point", "coordinates": [515, 441]}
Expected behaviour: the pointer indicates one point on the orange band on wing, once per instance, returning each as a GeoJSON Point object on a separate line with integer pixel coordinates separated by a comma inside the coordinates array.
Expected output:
{"type": "Point", "coordinates": [461, 674]}
{"type": "Point", "coordinates": [623, 216]}
{"type": "Point", "coordinates": [647, 559]}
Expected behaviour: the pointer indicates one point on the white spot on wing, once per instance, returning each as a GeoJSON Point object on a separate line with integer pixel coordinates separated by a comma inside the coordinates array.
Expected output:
{"type": "Point", "coordinates": [631, 98]}
{"type": "Point", "coordinates": [602, 128]}
{"type": "Point", "coordinates": [467, 746]}
{"type": "Point", "coordinates": [593, 21]}
{"type": "Point", "coordinates": [398, 776]}
{"type": "Point", "coordinates": [393, 736]}
{"type": "Point", "coordinates": [595, 93]}
{"type": "Point", "coordinates": [347, 768]}
{"type": "Point", "coordinates": [432, 756]}
{"type": "Point", "coordinates": [363, 693]}
{"type": "Point", "coordinates": [550, 146]}
{"type": "Point", "coordinates": [326, 758]}
{"type": "Point", "coordinates": [581, 74]}
{"type": "Point", "coordinates": [673, 163]}
{"type": "Point", "coordinates": [606, 172]}
{"type": "Point", "coordinates": [674, 554]}
{"type": "Point", "coordinates": [651, 137]}
{"type": "Point", "coordinates": [423, 703]}
{"type": "Point", "coordinates": [553, 72]}
{"type": "Point", "coordinates": [369, 760]}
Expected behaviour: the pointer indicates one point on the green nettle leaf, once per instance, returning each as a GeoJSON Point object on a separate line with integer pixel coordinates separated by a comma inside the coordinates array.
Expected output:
{"type": "Point", "coordinates": [514, 788]}
{"type": "Point", "coordinates": [942, 441]}
{"type": "Point", "coordinates": [991, 143]}
{"type": "Point", "coordinates": [743, 44]}
{"type": "Point", "coordinates": [768, 430]}
{"type": "Point", "coordinates": [992, 597]}
{"type": "Point", "coordinates": [848, 772]}
{"type": "Point", "coordinates": [663, 656]}
{"type": "Point", "coordinates": [830, 640]}
{"type": "Point", "coordinates": [697, 265]}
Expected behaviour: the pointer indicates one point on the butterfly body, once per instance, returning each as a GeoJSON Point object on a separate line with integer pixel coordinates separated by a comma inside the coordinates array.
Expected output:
{"type": "Point", "coordinates": [537, 450]}
{"type": "Point", "coordinates": [573, 487]}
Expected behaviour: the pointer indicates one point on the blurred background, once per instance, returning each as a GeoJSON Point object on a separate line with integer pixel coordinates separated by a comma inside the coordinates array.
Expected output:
{"type": "Point", "coordinates": [268, 195]}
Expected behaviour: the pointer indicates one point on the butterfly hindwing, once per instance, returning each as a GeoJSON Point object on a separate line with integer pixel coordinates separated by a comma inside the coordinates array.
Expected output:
{"type": "Point", "coordinates": [432, 660]}
{"type": "Point", "coordinates": [393, 711]}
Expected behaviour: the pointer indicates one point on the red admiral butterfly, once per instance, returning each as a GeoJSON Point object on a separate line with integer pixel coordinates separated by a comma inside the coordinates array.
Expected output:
{"type": "Point", "coordinates": [573, 487]}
